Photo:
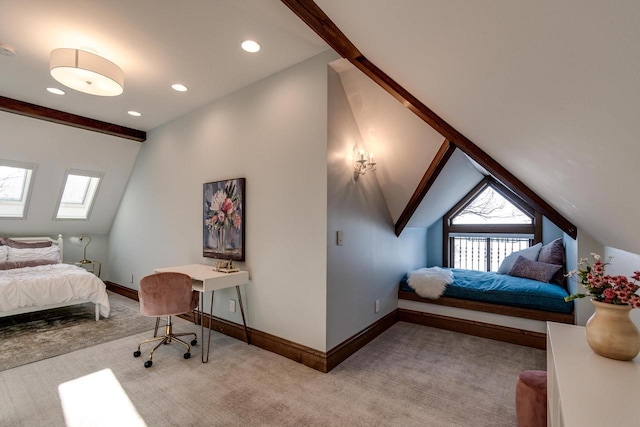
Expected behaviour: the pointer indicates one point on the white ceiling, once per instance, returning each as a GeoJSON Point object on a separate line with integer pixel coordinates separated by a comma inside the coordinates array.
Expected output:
{"type": "Point", "coordinates": [156, 43]}
{"type": "Point", "coordinates": [549, 89]}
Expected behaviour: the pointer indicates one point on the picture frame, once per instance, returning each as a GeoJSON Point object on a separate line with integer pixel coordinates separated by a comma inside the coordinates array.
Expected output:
{"type": "Point", "coordinates": [223, 219]}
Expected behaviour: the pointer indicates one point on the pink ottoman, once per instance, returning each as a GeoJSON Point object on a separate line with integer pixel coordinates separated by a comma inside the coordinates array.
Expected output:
{"type": "Point", "coordinates": [531, 399]}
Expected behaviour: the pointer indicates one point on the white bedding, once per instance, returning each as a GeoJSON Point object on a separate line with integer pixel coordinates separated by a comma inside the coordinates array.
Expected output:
{"type": "Point", "coordinates": [50, 284]}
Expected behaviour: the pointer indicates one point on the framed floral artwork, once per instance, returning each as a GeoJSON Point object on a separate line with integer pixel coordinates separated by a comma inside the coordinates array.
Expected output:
{"type": "Point", "coordinates": [223, 219]}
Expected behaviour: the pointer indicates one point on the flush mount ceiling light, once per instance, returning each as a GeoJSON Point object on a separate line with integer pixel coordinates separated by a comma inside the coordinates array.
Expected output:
{"type": "Point", "coordinates": [134, 113]}
{"type": "Point", "coordinates": [250, 46]}
{"type": "Point", "coordinates": [86, 72]}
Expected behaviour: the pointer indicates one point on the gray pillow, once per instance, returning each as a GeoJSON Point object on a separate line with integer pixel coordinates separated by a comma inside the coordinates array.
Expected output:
{"type": "Point", "coordinates": [529, 253]}
{"type": "Point", "coordinates": [552, 253]}
{"type": "Point", "coordinates": [534, 270]}
{"type": "Point", "coordinates": [23, 245]}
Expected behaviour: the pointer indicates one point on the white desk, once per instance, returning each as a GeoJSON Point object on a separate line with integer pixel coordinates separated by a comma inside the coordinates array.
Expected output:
{"type": "Point", "coordinates": [206, 279]}
{"type": "Point", "coordinates": [584, 389]}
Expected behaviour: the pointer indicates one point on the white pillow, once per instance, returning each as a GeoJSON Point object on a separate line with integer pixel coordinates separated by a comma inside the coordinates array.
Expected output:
{"type": "Point", "coordinates": [3, 253]}
{"type": "Point", "coordinates": [52, 253]}
{"type": "Point", "coordinates": [529, 253]}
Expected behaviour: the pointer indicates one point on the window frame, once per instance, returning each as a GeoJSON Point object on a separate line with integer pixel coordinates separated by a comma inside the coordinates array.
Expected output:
{"type": "Point", "coordinates": [450, 230]}
{"type": "Point", "coordinates": [92, 202]}
{"type": "Point", "coordinates": [27, 190]}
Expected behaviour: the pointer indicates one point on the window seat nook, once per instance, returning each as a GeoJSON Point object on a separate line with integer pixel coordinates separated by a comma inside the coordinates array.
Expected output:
{"type": "Point", "coordinates": [481, 304]}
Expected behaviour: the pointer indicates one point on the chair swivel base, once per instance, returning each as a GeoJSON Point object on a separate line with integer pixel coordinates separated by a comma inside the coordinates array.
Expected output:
{"type": "Point", "coordinates": [167, 338]}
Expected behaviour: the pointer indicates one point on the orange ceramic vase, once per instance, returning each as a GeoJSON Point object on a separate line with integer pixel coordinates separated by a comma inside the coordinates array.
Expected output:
{"type": "Point", "coordinates": [611, 333]}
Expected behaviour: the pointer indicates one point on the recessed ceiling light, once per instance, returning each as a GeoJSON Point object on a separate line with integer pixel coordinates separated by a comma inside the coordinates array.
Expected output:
{"type": "Point", "coordinates": [56, 91]}
{"type": "Point", "coordinates": [250, 46]}
{"type": "Point", "coordinates": [179, 87]}
{"type": "Point", "coordinates": [134, 113]}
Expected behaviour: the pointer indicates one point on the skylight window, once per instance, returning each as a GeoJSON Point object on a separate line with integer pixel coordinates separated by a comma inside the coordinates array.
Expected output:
{"type": "Point", "coordinates": [78, 194]}
{"type": "Point", "coordinates": [15, 188]}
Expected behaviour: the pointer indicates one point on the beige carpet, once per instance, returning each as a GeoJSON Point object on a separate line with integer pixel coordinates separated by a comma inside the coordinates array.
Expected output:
{"type": "Point", "coordinates": [411, 375]}
{"type": "Point", "coordinates": [27, 338]}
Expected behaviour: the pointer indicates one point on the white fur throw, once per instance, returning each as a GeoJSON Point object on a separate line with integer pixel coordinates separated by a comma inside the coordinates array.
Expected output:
{"type": "Point", "coordinates": [430, 282]}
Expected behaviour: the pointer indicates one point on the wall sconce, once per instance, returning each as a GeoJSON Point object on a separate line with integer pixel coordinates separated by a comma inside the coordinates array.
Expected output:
{"type": "Point", "coordinates": [362, 163]}
{"type": "Point", "coordinates": [79, 241]}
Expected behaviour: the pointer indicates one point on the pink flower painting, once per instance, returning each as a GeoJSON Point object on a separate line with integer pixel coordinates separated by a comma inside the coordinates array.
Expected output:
{"type": "Point", "coordinates": [223, 219]}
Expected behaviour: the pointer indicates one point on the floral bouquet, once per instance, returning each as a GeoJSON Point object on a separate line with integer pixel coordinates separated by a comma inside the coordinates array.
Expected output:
{"type": "Point", "coordinates": [604, 288]}
{"type": "Point", "coordinates": [223, 209]}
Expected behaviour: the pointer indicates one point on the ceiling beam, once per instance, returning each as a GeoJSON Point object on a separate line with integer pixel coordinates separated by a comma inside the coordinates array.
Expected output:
{"type": "Point", "coordinates": [318, 21]}
{"type": "Point", "coordinates": [60, 117]}
{"type": "Point", "coordinates": [434, 169]}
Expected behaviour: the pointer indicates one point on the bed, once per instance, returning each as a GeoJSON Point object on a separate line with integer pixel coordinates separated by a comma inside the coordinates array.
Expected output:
{"type": "Point", "coordinates": [33, 278]}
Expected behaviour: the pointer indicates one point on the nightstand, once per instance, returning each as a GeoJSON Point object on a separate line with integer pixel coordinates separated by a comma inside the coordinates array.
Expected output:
{"type": "Point", "coordinates": [94, 267]}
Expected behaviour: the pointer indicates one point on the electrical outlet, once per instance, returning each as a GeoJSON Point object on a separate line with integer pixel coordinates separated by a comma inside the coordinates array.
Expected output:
{"type": "Point", "coordinates": [376, 306]}
{"type": "Point", "coordinates": [232, 306]}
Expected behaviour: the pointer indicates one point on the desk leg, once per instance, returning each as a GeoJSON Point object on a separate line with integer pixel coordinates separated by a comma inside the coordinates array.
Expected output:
{"type": "Point", "coordinates": [244, 322]}
{"type": "Point", "coordinates": [205, 359]}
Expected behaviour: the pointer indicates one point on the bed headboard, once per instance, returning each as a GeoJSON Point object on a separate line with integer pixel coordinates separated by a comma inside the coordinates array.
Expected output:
{"type": "Point", "coordinates": [59, 241]}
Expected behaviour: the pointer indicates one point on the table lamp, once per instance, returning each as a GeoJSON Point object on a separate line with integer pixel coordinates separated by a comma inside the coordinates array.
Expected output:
{"type": "Point", "coordinates": [79, 241]}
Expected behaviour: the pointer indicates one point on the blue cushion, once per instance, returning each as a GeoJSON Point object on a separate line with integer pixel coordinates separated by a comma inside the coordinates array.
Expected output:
{"type": "Point", "coordinates": [505, 290]}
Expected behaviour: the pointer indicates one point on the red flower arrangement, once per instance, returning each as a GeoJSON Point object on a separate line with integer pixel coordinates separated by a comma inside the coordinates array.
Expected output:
{"type": "Point", "coordinates": [601, 287]}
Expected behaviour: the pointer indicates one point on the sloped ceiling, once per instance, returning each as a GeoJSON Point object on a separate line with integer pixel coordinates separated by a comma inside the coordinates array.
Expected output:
{"type": "Point", "coordinates": [156, 43]}
{"type": "Point", "coordinates": [403, 144]}
{"type": "Point", "coordinates": [549, 89]}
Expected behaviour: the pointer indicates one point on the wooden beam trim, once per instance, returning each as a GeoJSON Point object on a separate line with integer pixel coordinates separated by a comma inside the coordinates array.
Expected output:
{"type": "Point", "coordinates": [318, 21]}
{"type": "Point", "coordinates": [441, 158]}
{"type": "Point", "coordinates": [311, 14]}
{"type": "Point", "coordinates": [60, 117]}
{"type": "Point", "coordinates": [505, 310]}
{"type": "Point", "coordinates": [465, 145]}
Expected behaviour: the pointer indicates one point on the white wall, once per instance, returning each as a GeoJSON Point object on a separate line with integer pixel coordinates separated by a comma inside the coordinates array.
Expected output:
{"type": "Point", "coordinates": [585, 246]}
{"type": "Point", "coordinates": [274, 133]}
{"type": "Point", "coordinates": [371, 261]}
{"type": "Point", "coordinates": [625, 264]}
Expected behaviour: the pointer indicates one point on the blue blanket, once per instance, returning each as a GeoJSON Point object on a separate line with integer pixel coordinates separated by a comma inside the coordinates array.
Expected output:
{"type": "Point", "coordinates": [504, 289]}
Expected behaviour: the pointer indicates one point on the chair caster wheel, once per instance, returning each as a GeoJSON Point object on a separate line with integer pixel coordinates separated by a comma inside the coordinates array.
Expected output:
{"type": "Point", "coordinates": [187, 355]}
{"type": "Point", "coordinates": [194, 342]}
{"type": "Point", "coordinates": [148, 364]}
{"type": "Point", "coordinates": [136, 353]}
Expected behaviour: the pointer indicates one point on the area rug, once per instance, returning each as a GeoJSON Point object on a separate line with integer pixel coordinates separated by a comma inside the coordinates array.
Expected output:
{"type": "Point", "coordinates": [27, 338]}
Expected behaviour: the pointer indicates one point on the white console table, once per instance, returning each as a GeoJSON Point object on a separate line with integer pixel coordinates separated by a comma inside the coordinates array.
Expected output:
{"type": "Point", "coordinates": [584, 389]}
{"type": "Point", "coordinates": [205, 279]}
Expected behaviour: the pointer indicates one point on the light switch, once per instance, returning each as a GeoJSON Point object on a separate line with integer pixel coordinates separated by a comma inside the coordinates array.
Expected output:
{"type": "Point", "coordinates": [339, 237]}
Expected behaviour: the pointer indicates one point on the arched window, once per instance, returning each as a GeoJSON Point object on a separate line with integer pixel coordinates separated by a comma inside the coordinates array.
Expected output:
{"type": "Point", "coordinates": [488, 224]}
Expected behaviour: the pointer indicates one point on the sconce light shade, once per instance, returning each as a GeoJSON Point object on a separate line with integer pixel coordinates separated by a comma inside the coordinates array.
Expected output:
{"type": "Point", "coordinates": [80, 241]}
{"type": "Point", "coordinates": [86, 72]}
{"type": "Point", "coordinates": [362, 163]}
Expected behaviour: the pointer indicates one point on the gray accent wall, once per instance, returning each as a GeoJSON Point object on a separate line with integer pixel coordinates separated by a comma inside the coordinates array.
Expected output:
{"type": "Point", "coordinates": [372, 260]}
{"type": "Point", "coordinates": [273, 133]}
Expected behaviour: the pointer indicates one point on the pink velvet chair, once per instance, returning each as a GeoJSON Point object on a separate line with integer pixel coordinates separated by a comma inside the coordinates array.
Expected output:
{"type": "Point", "coordinates": [531, 399]}
{"type": "Point", "coordinates": [166, 294]}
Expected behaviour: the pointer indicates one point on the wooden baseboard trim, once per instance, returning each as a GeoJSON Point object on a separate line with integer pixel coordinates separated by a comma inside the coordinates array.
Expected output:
{"type": "Point", "coordinates": [525, 313]}
{"type": "Point", "coordinates": [342, 351]}
{"type": "Point", "coordinates": [319, 360]}
{"type": "Point", "coordinates": [479, 329]}
{"type": "Point", "coordinates": [302, 354]}
{"type": "Point", "coordinates": [122, 290]}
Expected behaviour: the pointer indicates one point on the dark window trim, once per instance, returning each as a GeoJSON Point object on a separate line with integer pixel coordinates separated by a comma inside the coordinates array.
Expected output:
{"type": "Point", "coordinates": [534, 229]}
